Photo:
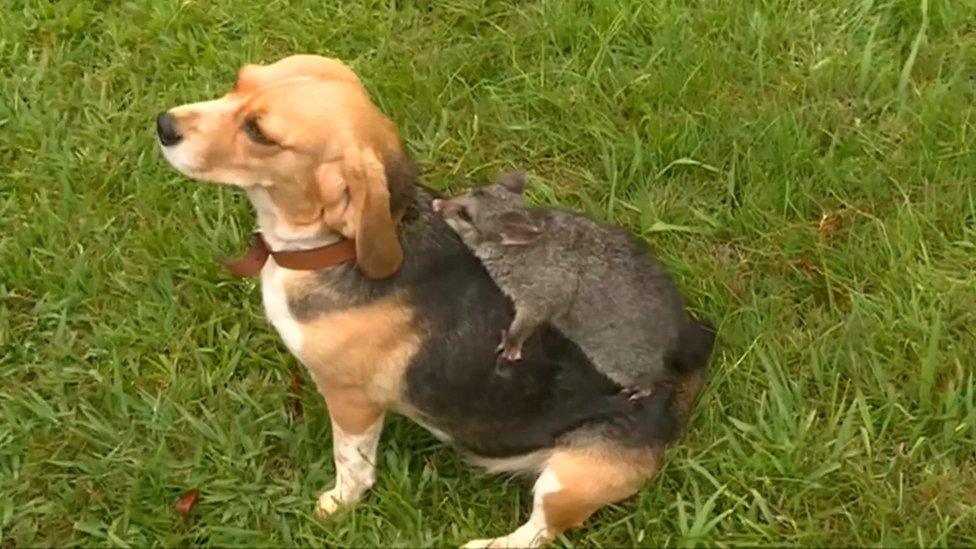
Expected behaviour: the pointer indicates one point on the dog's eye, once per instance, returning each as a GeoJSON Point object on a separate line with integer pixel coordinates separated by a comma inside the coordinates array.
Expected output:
{"type": "Point", "coordinates": [464, 214]}
{"type": "Point", "coordinates": [254, 133]}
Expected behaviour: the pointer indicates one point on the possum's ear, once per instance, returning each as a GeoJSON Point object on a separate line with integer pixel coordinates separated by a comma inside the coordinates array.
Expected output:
{"type": "Point", "coordinates": [513, 181]}
{"type": "Point", "coordinates": [517, 229]}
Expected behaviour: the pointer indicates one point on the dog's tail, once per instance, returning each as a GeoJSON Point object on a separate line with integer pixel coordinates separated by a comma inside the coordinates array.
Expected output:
{"type": "Point", "coordinates": [696, 340]}
{"type": "Point", "coordinates": [661, 417]}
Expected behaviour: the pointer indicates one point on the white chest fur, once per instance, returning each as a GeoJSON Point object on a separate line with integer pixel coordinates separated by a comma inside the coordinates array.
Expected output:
{"type": "Point", "coordinates": [276, 308]}
{"type": "Point", "coordinates": [281, 236]}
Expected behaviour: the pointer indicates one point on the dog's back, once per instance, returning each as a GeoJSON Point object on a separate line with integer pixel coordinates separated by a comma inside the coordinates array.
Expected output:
{"type": "Point", "coordinates": [554, 390]}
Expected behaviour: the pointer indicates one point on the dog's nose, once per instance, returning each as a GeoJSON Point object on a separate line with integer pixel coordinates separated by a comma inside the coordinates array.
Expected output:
{"type": "Point", "coordinates": [169, 134]}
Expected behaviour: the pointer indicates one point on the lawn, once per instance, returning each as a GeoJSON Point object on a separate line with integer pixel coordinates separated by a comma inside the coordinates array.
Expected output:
{"type": "Point", "coordinates": [807, 169]}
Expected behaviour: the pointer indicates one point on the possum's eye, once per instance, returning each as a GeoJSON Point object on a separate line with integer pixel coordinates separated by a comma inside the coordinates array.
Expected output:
{"type": "Point", "coordinates": [464, 214]}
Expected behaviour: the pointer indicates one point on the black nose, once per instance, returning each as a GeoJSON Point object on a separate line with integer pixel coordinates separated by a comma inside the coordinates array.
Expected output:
{"type": "Point", "coordinates": [166, 128]}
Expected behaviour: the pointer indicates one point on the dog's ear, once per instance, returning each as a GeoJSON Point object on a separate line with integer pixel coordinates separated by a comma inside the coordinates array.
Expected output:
{"type": "Point", "coordinates": [517, 229]}
{"type": "Point", "coordinates": [513, 181]}
{"type": "Point", "coordinates": [378, 250]}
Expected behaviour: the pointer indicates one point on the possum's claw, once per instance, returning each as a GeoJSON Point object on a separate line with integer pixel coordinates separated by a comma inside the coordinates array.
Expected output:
{"type": "Point", "coordinates": [512, 354]}
{"type": "Point", "coordinates": [634, 394]}
{"type": "Point", "coordinates": [508, 350]}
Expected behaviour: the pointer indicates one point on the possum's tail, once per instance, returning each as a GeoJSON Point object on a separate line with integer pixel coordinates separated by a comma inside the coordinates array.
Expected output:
{"type": "Point", "coordinates": [695, 343]}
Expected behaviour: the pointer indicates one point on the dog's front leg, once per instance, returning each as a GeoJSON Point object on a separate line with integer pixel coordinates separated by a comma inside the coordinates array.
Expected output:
{"type": "Point", "coordinates": [356, 428]}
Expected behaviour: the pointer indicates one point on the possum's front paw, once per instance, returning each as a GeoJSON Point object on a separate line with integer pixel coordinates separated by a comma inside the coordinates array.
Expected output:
{"type": "Point", "coordinates": [509, 350]}
{"type": "Point", "coordinates": [512, 354]}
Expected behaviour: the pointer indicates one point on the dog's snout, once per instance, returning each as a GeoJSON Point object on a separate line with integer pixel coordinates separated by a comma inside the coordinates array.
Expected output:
{"type": "Point", "coordinates": [169, 133]}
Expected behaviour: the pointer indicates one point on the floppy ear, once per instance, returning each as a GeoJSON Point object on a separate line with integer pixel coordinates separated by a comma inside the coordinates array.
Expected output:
{"type": "Point", "coordinates": [378, 250]}
{"type": "Point", "coordinates": [513, 181]}
{"type": "Point", "coordinates": [517, 229]}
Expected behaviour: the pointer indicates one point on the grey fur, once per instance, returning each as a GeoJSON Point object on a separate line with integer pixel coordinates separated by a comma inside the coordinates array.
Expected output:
{"type": "Point", "coordinates": [594, 282]}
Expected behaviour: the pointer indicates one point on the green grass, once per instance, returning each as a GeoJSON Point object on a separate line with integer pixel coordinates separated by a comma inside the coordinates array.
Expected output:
{"type": "Point", "coordinates": [807, 169]}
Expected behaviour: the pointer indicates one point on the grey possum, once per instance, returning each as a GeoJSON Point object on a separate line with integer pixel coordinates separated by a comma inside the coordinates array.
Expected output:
{"type": "Point", "coordinates": [595, 283]}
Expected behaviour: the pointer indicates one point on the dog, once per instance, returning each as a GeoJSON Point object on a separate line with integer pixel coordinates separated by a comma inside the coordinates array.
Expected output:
{"type": "Point", "coordinates": [390, 312]}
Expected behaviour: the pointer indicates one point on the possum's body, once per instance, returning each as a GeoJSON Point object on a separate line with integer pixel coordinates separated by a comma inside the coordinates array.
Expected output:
{"type": "Point", "coordinates": [594, 282]}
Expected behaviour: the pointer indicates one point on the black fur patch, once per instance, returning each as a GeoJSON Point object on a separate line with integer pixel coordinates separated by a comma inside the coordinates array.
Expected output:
{"type": "Point", "coordinates": [695, 343]}
{"type": "Point", "coordinates": [401, 179]}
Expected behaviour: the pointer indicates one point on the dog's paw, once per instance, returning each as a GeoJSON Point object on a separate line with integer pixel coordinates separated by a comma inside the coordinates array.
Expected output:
{"type": "Point", "coordinates": [507, 542]}
{"type": "Point", "coordinates": [479, 544]}
{"type": "Point", "coordinates": [329, 502]}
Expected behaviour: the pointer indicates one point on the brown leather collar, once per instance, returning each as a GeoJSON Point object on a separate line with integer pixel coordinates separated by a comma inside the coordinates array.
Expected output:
{"type": "Point", "coordinates": [257, 255]}
{"type": "Point", "coordinates": [314, 259]}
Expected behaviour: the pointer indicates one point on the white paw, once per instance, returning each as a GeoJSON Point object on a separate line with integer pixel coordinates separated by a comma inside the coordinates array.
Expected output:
{"type": "Point", "coordinates": [478, 543]}
{"type": "Point", "coordinates": [329, 502]}
{"type": "Point", "coordinates": [507, 542]}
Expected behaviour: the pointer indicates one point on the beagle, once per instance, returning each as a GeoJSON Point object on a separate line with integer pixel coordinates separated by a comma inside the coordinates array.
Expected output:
{"type": "Point", "coordinates": [408, 320]}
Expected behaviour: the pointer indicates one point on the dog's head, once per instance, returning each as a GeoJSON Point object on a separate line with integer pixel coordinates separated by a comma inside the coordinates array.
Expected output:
{"type": "Point", "coordinates": [303, 135]}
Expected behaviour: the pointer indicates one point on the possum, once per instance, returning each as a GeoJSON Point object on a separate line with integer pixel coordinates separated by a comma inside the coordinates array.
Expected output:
{"type": "Point", "coordinates": [596, 283]}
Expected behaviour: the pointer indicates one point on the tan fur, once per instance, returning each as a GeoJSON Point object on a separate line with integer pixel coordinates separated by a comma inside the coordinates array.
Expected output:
{"type": "Point", "coordinates": [351, 408]}
{"type": "Point", "coordinates": [593, 476]}
{"type": "Point", "coordinates": [325, 172]}
{"type": "Point", "coordinates": [378, 251]}
{"type": "Point", "coordinates": [597, 474]}
{"type": "Point", "coordinates": [358, 355]}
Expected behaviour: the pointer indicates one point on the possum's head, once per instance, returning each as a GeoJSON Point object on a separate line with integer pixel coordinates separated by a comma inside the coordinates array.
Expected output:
{"type": "Point", "coordinates": [492, 213]}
